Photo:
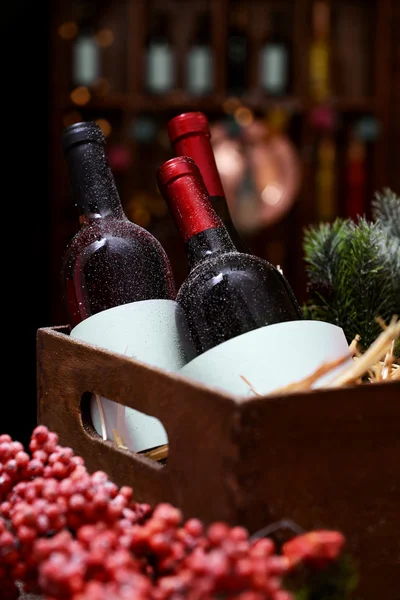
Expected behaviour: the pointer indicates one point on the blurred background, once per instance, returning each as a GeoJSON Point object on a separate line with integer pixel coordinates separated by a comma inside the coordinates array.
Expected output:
{"type": "Point", "coordinates": [302, 97]}
{"type": "Point", "coordinates": [299, 94]}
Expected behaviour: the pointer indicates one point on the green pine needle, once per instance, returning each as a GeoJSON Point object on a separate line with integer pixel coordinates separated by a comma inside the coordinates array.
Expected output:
{"type": "Point", "coordinates": [386, 210]}
{"type": "Point", "coordinates": [336, 582]}
{"type": "Point", "coordinates": [353, 271]}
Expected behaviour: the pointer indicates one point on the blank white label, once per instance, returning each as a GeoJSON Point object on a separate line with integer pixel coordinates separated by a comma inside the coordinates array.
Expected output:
{"type": "Point", "coordinates": [199, 70]}
{"type": "Point", "coordinates": [160, 68]}
{"type": "Point", "coordinates": [274, 63]}
{"type": "Point", "coordinates": [86, 61]}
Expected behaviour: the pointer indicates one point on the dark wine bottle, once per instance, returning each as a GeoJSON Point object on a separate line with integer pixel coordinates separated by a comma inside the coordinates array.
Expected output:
{"type": "Point", "coordinates": [190, 135]}
{"type": "Point", "coordinates": [160, 60]}
{"type": "Point", "coordinates": [110, 261]}
{"type": "Point", "coordinates": [199, 65]}
{"type": "Point", "coordinates": [227, 293]}
{"type": "Point", "coordinates": [274, 59]}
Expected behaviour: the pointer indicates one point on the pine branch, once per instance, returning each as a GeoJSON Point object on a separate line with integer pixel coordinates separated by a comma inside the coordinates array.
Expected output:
{"type": "Point", "coordinates": [386, 211]}
{"type": "Point", "coordinates": [323, 246]}
{"type": "Point", "coordinates": [372, 285]}
{"type": "Point", "coordinates": [336, 582]}
{"type": "Point", "coordinates": [353, 272]}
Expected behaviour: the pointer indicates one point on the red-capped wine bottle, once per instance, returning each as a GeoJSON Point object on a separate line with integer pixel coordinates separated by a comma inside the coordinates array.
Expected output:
{"type": "Point", "coordinates": [227, 293]}
{"type": "Point", "coordinates": [190, 135]}
{"type": "Point", "coordinates": [110, 261]}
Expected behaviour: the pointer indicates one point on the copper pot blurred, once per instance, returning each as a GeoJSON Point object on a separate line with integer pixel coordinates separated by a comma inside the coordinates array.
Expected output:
{"type": "Point", "coordinates": [260, 172]}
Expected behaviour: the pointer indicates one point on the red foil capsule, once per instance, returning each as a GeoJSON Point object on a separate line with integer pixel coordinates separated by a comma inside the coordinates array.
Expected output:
{"type": "Point", "coordinates": [190, 135]}
{"type": "Point", "coordinates": [182, 186]}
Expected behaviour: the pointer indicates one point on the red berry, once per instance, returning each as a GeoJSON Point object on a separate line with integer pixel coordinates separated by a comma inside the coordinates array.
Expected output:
{"type": "Point", "coordinates": [217, 533]}
{"type": "Point", "coordinates": [168, 513]}
{"type": "Point", "coordinates": [194, 527]}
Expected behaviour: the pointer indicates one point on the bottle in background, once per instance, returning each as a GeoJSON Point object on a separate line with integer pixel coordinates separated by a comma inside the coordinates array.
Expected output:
{"type": "Point", "coordinates": [189, 134]}
{"type": "Point", "coordinates": [227, 293]}
{"type": "Point", "coordinates": [85, 52]}
{"type": "Point", "coordinates": [320, 56]}
{"type": "Point", "coordinates": [110, 261]}
{"type": "Point", "coordinates": [274, 58]}
{"type": "Point", "coordinates": [237, 50]}
{"type": "Point", "coordinates": [160, 59]}
{"type": "Point", "coordinates": [199, 62]}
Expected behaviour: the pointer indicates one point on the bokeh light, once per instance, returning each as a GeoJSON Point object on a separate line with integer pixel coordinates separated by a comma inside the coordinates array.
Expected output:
{"type": "Point", "coordinates": [105, 126]}
{"type": "Point", "coordinates": [68, 30]}
{"type": "Point", "coordinates": [80, 95]}
{"type": "Point", "coordinates": [243, 116]}
{"type": "Point", "coordinates": [105, 38]}
{"type": "Point", "coordinates": [231, 104]}
{"type": "Point", "coordinates": [72, 117]}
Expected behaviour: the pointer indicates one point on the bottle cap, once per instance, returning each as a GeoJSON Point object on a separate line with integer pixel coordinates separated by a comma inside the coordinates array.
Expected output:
{"type": "Point", "coordinates": [78, 133]}
{"type": "Point", "coordinates": [190, 135]}
{"type": "Point", "coordinates": [187, 124]}
{"type": "Point", "coordinates": [182, 186]}
{"type": "Point", "coordinates": [176, 167]}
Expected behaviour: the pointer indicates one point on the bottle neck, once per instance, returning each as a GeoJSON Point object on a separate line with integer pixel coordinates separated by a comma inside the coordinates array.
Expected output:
{"type": "Point", "coordinates": [202, 36]}
{"type": "Point", "coordinates": [183, 188]}
{"type": "Point", "coordinates": [198, 146]}
{"type": "Point", "coordinates": [93, 186]}
{"type": "Point", "coordinates": [208, 243]}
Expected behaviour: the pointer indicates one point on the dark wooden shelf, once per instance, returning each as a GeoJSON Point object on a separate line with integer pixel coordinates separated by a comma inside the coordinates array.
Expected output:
{"type": "Point", "coordinates": [139, 103]}
{"type": "Point", "coordinates": [214, 103]}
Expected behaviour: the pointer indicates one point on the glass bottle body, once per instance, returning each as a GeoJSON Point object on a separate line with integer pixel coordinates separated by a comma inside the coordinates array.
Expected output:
{"type": "Point", "coordinates": [228, 293]}
{"type": "Point", "coordinates": [110, 262]}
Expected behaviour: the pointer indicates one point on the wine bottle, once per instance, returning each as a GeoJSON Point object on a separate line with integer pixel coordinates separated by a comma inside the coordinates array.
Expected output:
{"type": "Point", "coordinates": [320, 52]}
{"type": "Point", "coordinates": [190, 135]}
{"type": "Point", "coordinates": [227, 293]}
{"type": "Point", "coordinates": [274, 60]}
{"type": "Point", "coordinates": [118, 285]}
{"type": "Point", "coordinates": [110, 261]}
{"type": "Point", "coordinates": [160, 67]}
{"type": "Point", "coordinates": [237, 51]}
{"type": "Point", "coordinates": [199, 65]}
{"type": "Point", "coordinates": [85, 52]}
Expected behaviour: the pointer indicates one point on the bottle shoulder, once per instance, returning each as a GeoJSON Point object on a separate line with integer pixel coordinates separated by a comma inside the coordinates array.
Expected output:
{"type": "Point", "coordinates": [107, 243]}
{"type": "Point", "coordinates": [233, 270]}
{"type": "Point", "coordinates": [237, 272]}
{"type": "Point", "coordinates": [98, 230]}
{"type": "Point", "coordinates": [232, 262]}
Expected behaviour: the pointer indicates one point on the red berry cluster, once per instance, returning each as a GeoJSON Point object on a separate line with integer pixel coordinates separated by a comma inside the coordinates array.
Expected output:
{"type": "Point", "coordinates": [71, 535]}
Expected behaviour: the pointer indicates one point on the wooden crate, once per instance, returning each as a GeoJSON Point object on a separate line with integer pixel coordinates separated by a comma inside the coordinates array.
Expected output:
{"type": "Point", "coordinates": [328, 458]}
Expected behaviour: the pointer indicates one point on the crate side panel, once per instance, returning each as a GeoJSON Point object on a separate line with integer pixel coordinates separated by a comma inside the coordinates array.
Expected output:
{"type": "Point", "coordinates": [202, 447]}
{"type": "Point", "coordinates": [329, 459]}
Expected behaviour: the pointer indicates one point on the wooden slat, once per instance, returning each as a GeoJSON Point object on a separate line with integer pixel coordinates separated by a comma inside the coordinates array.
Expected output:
{"type": "Point", "coordinates": [383, 50]}
{"type": "Point", "coordinates": [136, 25]}
{"type": "Point", "coordinates": [219, 28]}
